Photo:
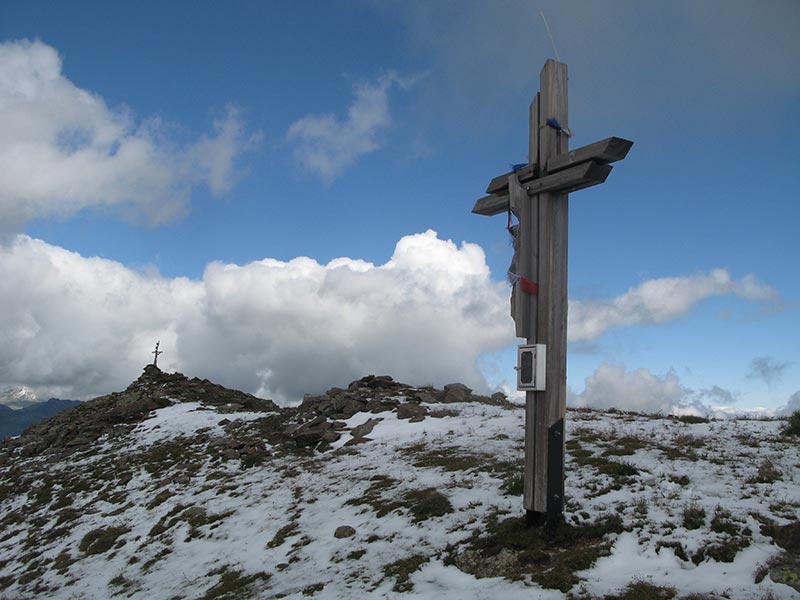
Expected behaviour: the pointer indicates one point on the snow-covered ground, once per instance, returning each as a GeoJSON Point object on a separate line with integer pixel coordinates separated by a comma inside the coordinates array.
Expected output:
{"type": "Point", "coordinates": [165, 513]}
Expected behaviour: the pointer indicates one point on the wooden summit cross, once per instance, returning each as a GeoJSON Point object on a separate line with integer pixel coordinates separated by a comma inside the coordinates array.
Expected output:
{"type": "Point", "coordinates": [538, 195]}
{"type": "Point", "coordinates": [156, 352]}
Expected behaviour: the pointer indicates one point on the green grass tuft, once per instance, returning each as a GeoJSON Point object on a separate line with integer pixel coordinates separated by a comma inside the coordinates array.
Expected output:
{"type": "Point", "coordinates": [283, 533]}
{"type": "Point", "coordinates": [422, 504]}
{"type": "Point", "coordinates": [427, 503]}
{"type": "Point", "coordinates": [694, 517]}
{"type": "Point", "coordinates": [550, 556]}
{"type": "Point", "coordinates": [402, 570]}
{"type": "Point", "coordinates": [101, 540]}
{"type": "Point", "coordinates": [792, 427]}
{"type": "Point", "coordinates": [233, 584]}
{"type": "Point", "coordinates": [643, 590]}
{"type": "Point", "coordinates": [692, 419]}
{"type": "Point", "coordinates": [767, 473]}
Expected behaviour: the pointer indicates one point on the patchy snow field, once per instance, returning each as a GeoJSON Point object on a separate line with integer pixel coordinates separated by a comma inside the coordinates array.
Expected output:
{"type": "Point", "coordinates": [167, 513]}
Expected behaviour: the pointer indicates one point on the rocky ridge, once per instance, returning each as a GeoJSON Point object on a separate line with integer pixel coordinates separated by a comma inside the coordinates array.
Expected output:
{"type": "Point", "coordinates": [317, 422]}
{"type": "Point", "coordinates": [319, 418]}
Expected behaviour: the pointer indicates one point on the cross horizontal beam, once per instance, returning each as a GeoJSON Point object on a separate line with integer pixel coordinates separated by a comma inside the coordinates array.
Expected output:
{"type": "Point", "coordinates": [605, 151]}
{"type": "Point", "coordinates": [570, 179]}
{"type": "Point", "coordinates": [499, 185]}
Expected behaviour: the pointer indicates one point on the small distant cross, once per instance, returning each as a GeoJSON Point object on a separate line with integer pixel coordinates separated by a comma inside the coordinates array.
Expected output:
{"type": "Point", "coordinates": [156, 352]}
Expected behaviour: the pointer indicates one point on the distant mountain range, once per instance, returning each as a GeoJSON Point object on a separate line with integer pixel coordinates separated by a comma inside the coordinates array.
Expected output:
{"type": "Point", "coordinates": [17, 397]}
{"type": "Point", "coordinates": [14, 422]}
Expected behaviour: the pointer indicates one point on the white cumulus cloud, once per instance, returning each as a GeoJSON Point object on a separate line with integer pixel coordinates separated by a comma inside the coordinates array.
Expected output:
{"type": "Point", "coordinates": [329, 145]}
{"type": "Point", "coordinates": [72, 326]}
{"type": "Point", "coordinates": [792, 405]}
{"type": "Point", "coordinates": [75, 326]}
{"type": "Point", "coordinates": [611, 386]}
{"type": "Point", "coordinates": [658, 301]}
{"type": "Point", "coordinates": [641, 390]}
{"type": "Point", "coordinates": [63, 149]}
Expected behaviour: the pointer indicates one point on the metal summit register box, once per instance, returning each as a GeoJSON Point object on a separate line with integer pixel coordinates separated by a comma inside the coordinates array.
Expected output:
{"type": "Point", "coordinates": [531, 361]}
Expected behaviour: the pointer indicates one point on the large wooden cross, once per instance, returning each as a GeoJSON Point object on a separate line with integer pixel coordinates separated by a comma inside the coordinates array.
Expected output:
{"type": "Point", "coordinates": [538, 194]}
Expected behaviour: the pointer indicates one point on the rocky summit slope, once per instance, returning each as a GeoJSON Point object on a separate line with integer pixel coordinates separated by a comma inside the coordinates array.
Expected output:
{"type": "Point", "coordinates": [178, 488]}
{"type": "Point", "coordinates": [116, 413]}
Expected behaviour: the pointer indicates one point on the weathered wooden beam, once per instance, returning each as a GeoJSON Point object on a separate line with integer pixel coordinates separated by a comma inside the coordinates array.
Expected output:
{"type": "Point", "coordinates": [605, 151]}
{"type": "Point", "coordinates": [491, 205]}
{"type": "Point", "coordinates": [533, 132]}
{"type": "Point", "coordinates": [500, 183]}
{"type": "Point", "coordinates": [546, 465]}
{"type": "Point", "coordinates": [569, 180]}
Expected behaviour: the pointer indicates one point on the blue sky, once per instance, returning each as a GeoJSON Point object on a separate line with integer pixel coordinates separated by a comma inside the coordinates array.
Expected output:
{"type": "Point", "coordinates": [279, 130]}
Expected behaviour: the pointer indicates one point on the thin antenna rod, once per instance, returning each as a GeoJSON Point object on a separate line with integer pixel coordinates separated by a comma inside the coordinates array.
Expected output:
{"type": "Point", "coordinates": [550, 35]}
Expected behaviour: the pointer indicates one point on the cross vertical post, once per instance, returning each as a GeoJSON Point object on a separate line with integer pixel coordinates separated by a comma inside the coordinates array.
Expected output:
{"type": "Point", "coordinates": [538, 194]}
{"type": "Point", "coordinates": [156, 352]}
{"type": "Point", "coordinates": [545, 410]}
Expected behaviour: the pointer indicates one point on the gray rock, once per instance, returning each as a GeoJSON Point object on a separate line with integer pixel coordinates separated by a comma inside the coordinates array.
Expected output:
{"type": "Point", "coordinates": [455, 392]}
{"type": "Point", "coordinates": [423, 396]}
{"type": "Point", "coordinates": [331, 436]}
{"type": "Point", "coordinates": [347, 407]}
{"type": "Point", "coordinates": [408, 411]}
{"type": "Point", "coordinates": [499, 398]}
{"type": "Point", "coordinates": [376, 382]}
{"type": "Point", "coordinates": [365, 428]}
{"type": "Point", "coordinates": [379, 406]}
{"type": "Point", "coordinates": [344, 531]}
{"type": "Point", "coordinates": [257, 449]}
{"type": "Point", "coordinates": [308, 437]}
{"type": "Point", "coordinates": [78, 440]}
{"type": "Point", "coordinates": [355, 441]}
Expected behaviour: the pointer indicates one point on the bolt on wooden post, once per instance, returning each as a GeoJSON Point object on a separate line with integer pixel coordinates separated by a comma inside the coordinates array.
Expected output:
{"type": "Point", "coordinates": [538, 195]}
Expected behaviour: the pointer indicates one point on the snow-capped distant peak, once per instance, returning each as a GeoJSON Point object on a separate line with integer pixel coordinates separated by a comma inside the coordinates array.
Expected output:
{"type": "Point", "coordinates": [17, 397]}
